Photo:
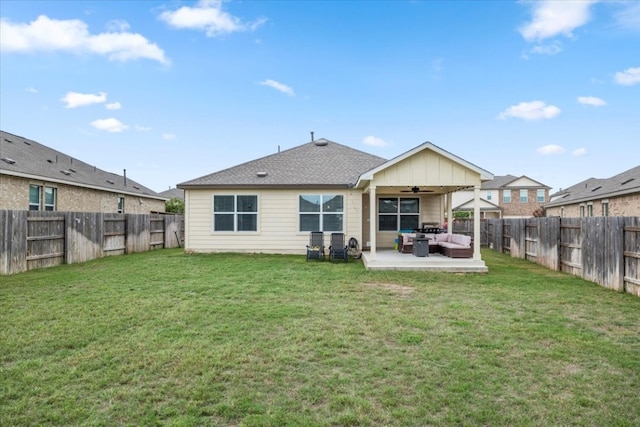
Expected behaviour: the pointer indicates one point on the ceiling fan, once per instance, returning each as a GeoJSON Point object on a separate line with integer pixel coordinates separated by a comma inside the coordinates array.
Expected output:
{"type": "Point", "coordinates": [416, 190]}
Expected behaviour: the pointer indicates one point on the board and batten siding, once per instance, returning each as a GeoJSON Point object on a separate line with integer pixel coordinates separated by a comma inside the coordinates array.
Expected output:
{"type": "Point", "coordinates": [277, 222]}
{"type": "Point", "coordinates": [426, 168]}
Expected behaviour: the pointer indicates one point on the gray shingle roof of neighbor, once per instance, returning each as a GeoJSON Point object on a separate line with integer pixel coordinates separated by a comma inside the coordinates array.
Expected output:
{"type": "Point", "coordinates": [597, 188]}
{"type": "Point", "coordinates": [319, 163]}
{"type": "Point", "coordinates": [173, 193]}
{"type": "Point", "coordinates": [502, 181]}
{"type": "Point", "coordinates": [23, 157]}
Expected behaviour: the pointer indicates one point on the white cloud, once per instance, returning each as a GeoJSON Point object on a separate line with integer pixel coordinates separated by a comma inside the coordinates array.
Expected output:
{"type": "Point", "coordinates": [374, 141]}
{"type": "Point", "coordinates": [118, 25]}
{"type": "Point", "coordinates": [550, 149]}
{"type": "Point", "coordinates": [534, 110]}
{"type": "Point", "coordinates": [75, 99]}
{"type": "Point", "coordinates": [209, 17]}
{"type": "Point", "coordinates": [628, 77]}
{"type": "Point", "coordinates": [168, 136]}
{"type": "Point", "coordinates": [140, 128]}
{"type": "Point", "coordinates": [629, 16]}
{"type": "Point", "coordinates": [552, 18]}
{"type": "Point", "coordinates": [278, 86]}
{"type": "Point", "coordinates": [109, 125]}
{"type": "Point", "coordinates": [45, 34]}
{"type": "Point", "coordinates": [552, 48]}
{"type": "Point", "coordinates": [579, 152]}
{"type": "Point", "coordinates": [113, 106]}
{"type": "Point", "coordinates": [591, 100]}
{"type": "Point", "coordinates": [31, 89]}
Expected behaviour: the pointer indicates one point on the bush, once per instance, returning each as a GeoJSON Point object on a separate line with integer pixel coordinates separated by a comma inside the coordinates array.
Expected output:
{"type": "Point", "coordinates": [174, 205]}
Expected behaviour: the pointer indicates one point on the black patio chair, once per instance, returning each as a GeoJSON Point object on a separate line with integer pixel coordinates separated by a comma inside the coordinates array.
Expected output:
{"type": "Point", "coordinates": [338, 249]}
{"type": "Point", "coordinates": [315, 248]}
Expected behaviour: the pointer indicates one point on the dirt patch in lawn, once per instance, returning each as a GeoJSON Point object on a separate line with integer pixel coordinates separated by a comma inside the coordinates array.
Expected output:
{"type": "Point", "coordinates": [392, 288]}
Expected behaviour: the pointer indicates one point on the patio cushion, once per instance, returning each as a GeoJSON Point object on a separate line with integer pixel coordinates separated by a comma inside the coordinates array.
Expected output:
{"type": "Point", "coordinates": [452, 245]}
{"type": "Point", "coordinates": [461, 239]}
{"type": "Point", "coordinates": [442, 237]}
{"type": "Point", "coordinates": [407, 238]}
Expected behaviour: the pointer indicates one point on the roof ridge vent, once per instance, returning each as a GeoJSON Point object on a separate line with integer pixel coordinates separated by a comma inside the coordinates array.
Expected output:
{"type": "Point", "coordinates": [8, 160]}
{"type": "Point", "coordinates": [321, 142]}
{"type": "Point", "coordinates": [261, 174]}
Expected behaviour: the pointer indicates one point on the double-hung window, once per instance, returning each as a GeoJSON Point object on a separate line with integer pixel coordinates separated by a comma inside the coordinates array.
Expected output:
{"type": "Point", "coordinates": [398, 213]}
{"type": "Point", "coordinates": [120, 204]}
{"type": "Point", "coordinates": [540, 195]}
{"type": "Point", "coordinates": [34, 197]}
{"type": "Point", "coordinates": [321, 212]}
{"type": "Point", "coordinates": [524, 196]}
{"type": "Point", "coordinates": [235, 213]}
{"type": "Point", "coordinates": [42, 198]}
{"type": "Point", "coordinates": [506, 196]}
{"type": "Point", "coordinates": [49, 199]}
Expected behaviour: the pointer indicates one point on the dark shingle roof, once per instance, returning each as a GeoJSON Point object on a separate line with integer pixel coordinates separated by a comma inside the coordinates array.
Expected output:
{"type": "Point", "coordinates": [497, 182]}
{"type": "Point", "coordinates": [173, 193]}
{"type": "Point", "coordinates": [20, 156]}
{"type": "Point", "coordinates": [317, 163]}
{"type": "Point", "coordinates": [597, 188]}
{"type": "Point", "coordinates": [502, 181]}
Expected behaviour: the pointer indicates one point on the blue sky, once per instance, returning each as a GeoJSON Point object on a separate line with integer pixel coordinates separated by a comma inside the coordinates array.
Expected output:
{"type": "Point", "coordinates": [173, 90]}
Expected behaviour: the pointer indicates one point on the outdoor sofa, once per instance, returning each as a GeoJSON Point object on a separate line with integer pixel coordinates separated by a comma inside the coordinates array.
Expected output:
{"type": "Point", "coordinates": [450, 245]}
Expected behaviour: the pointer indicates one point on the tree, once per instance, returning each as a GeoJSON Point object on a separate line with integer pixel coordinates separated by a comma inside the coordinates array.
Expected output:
{"type": "Point", "coordinates": [174, 205]}
{"type": "Point", "coordinates": [539, 212]}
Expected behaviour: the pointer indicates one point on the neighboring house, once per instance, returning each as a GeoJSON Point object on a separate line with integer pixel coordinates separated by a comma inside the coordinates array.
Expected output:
{"type": "Point", "coordinates": [272, 203]}
{"type": "Point", "coordinates": [615, 196]}
{"type": "Point", "coordinates": [505, 196]}
{"type": "Point", "coordinates": [36, 177]}
{"type": "Point", "coordinates": [173, 193]}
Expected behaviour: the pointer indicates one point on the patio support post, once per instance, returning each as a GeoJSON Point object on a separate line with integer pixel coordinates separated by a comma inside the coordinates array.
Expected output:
{"type": "Point", "coordinates": [373, 211]}
{"type": "Point", "coordinates": [449, 213]}
{"type": "Point", "coordinates": [476, 222]}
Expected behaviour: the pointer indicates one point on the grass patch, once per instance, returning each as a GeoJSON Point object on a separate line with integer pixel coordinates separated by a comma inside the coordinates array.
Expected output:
{"type": "Point", "coordinates": [163, 338]}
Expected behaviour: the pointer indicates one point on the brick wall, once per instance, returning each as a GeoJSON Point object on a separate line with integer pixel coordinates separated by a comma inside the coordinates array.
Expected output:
{"type": "Point", "coordinates": [628, 205]}
{"type": "Point", "coordinates": [516, 208]}
{"type": "Point", "coordinates": [14, 194]}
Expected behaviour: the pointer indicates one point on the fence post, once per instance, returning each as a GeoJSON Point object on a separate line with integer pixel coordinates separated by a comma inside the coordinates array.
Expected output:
{"type": "Point", "coordinates": [13, 245]}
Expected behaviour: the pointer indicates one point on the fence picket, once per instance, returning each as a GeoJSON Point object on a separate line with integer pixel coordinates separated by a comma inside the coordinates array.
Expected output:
{"type": "Point", "coordinates": [35, 239]}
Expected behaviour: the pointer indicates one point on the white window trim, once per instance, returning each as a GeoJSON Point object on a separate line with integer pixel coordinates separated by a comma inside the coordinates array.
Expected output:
{"type": "Point", "coordinates": [55, 198]}
{"type": "Point", "coordinates": [39, 187]}
{"type": "Point", "coordinates": [321, 213]}
{"type": "Point", "coordinates": [235, 214]}
{"type": "Point", "coordinates": [526, 196]}
{"type": "Point", "coordinates": [398, 214]}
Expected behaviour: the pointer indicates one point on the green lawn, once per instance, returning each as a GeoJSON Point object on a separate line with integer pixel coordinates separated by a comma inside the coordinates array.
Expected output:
{"type": "Point", "coordinates": [163, 338]}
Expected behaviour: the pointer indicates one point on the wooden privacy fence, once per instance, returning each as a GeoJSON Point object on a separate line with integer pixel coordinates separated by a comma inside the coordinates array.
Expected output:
{"type": "Point", "coordinates": [36, 239]}
{"type": "Point", "coordinates": [604, 250]}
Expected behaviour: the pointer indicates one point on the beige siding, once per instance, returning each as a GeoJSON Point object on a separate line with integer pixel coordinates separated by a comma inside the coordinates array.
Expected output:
{"type": "Point", "coordinates": [14, 194]}
{"type": "Point", "coordinates": [523, 182]}
{"type": "Point", "coordinates": [426, 168]}
{"type": "Point", "coordinates": [277, 222]}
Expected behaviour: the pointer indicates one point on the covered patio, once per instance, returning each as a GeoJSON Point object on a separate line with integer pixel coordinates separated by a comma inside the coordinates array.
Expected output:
{"type": "Point", "coordinates": [393, 260]}
{"type": "Point", "coordinates": [410, 191]}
